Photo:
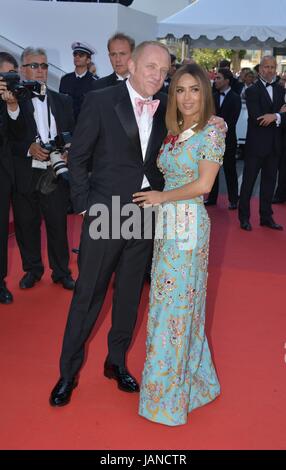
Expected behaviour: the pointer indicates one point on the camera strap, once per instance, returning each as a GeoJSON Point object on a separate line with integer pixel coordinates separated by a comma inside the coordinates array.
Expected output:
{"type": "Point", "coordinates": [39, 137]}
{"type": "Point", "coordinates": [49, 116]}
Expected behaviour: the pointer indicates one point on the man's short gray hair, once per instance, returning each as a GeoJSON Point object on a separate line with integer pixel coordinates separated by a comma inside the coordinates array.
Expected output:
{"type": "Point", "coordinates": [268, 57]}
{"type": "Point", "coordinates": [32, 51]}
{"type": "Point", "coordinates": [142, 46]}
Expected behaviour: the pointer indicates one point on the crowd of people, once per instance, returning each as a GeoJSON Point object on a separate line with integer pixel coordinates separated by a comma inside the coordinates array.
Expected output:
{"type": "Point", "coordinates": [153, 136]}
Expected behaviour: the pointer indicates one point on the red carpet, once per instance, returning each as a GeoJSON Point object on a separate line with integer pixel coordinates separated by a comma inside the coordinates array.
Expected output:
{"type": "Point", "coordinates": [246, 324]}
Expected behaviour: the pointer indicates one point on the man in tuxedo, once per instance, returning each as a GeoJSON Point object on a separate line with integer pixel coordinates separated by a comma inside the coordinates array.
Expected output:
{"type": "Point", "coordinates": [120, 47]}
{"type": "Point", "coordinates": [7, 64]}
{"type": "Point", "coordinates": [38, 120]}
{"type": "Point", "coordinates": [263, 143]}
{"type": "Point", "coordinates": [78, 83]}
{"type": "Point", "coordinates": [122, 129]}
{"type": "Point", "coordinates": [226, 64]}
{"type": "Point", "coordinates": [228, 106]}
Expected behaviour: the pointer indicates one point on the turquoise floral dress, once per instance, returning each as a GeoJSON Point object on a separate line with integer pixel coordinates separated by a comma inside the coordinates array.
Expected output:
{"type": "Point", "coordinates": [179, 375]}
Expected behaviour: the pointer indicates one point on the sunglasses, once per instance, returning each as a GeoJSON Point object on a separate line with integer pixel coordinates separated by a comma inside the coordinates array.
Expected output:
{"type": "Point", "coordinates": [35, 65]}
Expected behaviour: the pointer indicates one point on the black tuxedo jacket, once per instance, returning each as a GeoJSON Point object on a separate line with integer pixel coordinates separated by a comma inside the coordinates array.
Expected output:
{"type": "Point", "coordinates": [261, 140]}
{"type": "Point", "coordinates": [237, 87]}
{"type": "Point", "coordinates": [107, 132]}
{"type": "Point", "coordinates": [23, 132]}
{"type": "Point", "coordinates": [229, 111]}
{"type": "Point", "coordinates": [6, 160]}
{"type": "Point", "coordinates": [109, 80]}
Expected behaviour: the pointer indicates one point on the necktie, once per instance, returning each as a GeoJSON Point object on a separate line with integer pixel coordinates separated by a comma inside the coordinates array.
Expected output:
{"type": "Point", "coordinates": [152, 106]}
{"type": "Point", "coordinates": [40, 97]}
{"type": "Point", "coordinates": [222, 93]}
{"type": "Point", "coordinates": [269, 84]}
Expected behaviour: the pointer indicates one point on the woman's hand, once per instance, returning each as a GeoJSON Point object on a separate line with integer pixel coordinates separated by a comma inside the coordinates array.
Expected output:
{"type": "Point", "coordinates": [149, 198]}
{"type": "Point", "coordinates": [219, 123]}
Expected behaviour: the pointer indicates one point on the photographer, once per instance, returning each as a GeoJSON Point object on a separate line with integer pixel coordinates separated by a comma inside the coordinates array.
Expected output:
{"type": "Point", "coordinates": [33, 125]}
{"type": "Point", "coordinates": [7, 64]}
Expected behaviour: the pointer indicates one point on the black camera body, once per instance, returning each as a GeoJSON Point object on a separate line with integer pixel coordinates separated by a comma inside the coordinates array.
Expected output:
{"type": "Point", "coordinates": [22, 89]}
{"type": "Point", "coordinates": [56, 147]}
{"type": "Point", "coordinates": [60, 143]}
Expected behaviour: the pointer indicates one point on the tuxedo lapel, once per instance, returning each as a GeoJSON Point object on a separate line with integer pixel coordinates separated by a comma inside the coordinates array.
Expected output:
{"type": "Point", "coordinates": [264, 91]}
{"type": "Point", "coordinates": [126, 116]}
{"type": "Point", "coordinates": [54, 110]}
{"type": "Point", "coordinates": [114, 80]}
{"type": "Point", "coordinates": [276, 97]}
{"type": "Point", "coordinates": [217, 102]}
{"type": "Point", "coordinates": [28, 110]}
{"type": "Point", "coordinates": [226, 104]}
{"type": "Point", "coordinates": [157, 132]}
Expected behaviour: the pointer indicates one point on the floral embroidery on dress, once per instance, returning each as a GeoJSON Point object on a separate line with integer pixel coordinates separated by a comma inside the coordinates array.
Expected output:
{"type": "Point", "coordinates": [179, 375]}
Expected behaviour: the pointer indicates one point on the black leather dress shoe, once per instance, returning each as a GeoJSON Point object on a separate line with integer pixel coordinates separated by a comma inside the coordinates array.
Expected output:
{"type": "Point", "coordinates": [232, 206]}
{"type": "Point", "coordinates": [125, 381]}
{"type": "Point", "coordinates": [62, 392]}
{"type": "Point", "coordinates": [28, 281]}
{"type": "Point", "coordinates": [5, 295]}
{"type": "Point", "coordinates": [271, 224]}
{"type": "Point", "coordinates": [245, 225]}
{"type": "Point", "coordinates": [208, 202]}
{"type": "Point", "coordinates": [67, 282]}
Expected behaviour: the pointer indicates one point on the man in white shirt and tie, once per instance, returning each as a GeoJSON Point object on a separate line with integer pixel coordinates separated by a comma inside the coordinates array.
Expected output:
{"type": "Point", "coordinates": [120, 47]}
{"type": "Point", "coordinates": [263, 147]}
{"type": "Point", "coordinates": [121, 129]}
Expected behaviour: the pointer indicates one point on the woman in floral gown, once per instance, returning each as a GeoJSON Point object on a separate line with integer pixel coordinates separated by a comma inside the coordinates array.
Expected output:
{"type": "Point", "coordinates": [179, 375]}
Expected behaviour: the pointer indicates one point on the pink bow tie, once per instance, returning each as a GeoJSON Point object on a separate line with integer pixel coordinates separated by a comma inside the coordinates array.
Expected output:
{"type": "Point", "coordinates": [151, 106]}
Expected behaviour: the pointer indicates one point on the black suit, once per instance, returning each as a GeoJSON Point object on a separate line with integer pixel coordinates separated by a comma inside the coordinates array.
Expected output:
{"type": "Point", "coordinates": [107, 131]}
{"type": "Point", "coordinates": [229, 111]}
{"type": "Point", "coordinates": [104, 82]}
{"type": "Point", "coordinates": [238, 87]}
{"type": "Point", "coordinates": [262, 149]}
{"type": "Point", "coordinates": [6, 184]}
{"type": "Point", "coordinates": [29, 204]}
{"type": "Point", "coordinates": [280, 192]}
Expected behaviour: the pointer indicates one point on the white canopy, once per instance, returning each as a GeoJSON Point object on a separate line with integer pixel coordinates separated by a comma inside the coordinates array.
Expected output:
{"type": "Point", "coordinates": [251, 24]}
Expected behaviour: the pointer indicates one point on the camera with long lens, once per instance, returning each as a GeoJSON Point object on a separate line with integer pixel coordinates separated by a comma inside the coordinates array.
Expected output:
{"type": "Point", "coordinates": [56, 147]}
{"type": "Point", "coordinates": [22, 89]}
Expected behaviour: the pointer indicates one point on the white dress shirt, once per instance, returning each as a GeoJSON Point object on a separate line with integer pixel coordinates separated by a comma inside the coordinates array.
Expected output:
{"type": "Point", "coordinates": [81, 75]}
{"type": "Point", "coordinates": [44, 131]}
{"type": "Point", "coordinates": [119, 77]}
{"type": "Point", "coordinates": [222, 97]}
{"type": "Point", "coordinates": [269, 90]}
{"type": "Point", "coordinates": [144, 122]}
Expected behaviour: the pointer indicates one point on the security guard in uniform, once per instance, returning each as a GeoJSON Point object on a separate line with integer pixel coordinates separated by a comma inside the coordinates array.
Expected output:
{"type": "Point", "coordinates": [81, 81]}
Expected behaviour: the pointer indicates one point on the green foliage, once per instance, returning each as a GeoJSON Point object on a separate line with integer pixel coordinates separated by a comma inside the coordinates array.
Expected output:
{"type": "Point", "coordinates": [210, 58]}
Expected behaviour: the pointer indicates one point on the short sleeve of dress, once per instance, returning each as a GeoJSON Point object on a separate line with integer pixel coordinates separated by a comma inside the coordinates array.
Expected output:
{"type": "Point", "coordinates": [212, 146]}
